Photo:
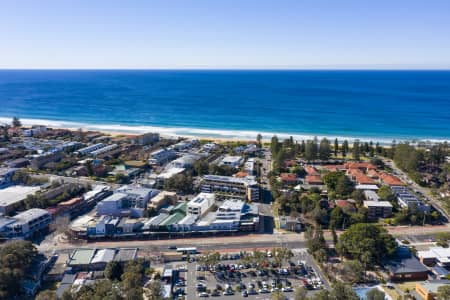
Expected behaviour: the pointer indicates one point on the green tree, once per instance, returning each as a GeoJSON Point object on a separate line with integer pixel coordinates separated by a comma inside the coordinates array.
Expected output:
{"type": "Point", "coordinates": [16, 122]}
{"type": "Point", "coordinates": [274, 145]}
{"type": "Point", "coordinates": [343, 291]}
{"type": "Point", "coordinates": [113, 270]}
{"type": "Point", "coordinates": [356, 151]}
{"type": "Point", "coordinates": [15, 258]}
{"type": "Point", "coordinates": [345, 148]}
{"type": "Point", "coordinates": [407, 158]}
{"type": "Point", "coordinates": [324, 149]}
{"type": "Point", "coordinates": [155, 291]}
{"type": "Point", "coordinates": [367, 243]}
{"type": "Point", "coordinates": [375, 294]}
{"type": "Point", "coordinates": [443, 292]}
{"type": "Point", "coordinates": [386, 193]}
{"type": "Point", "coordinates": [336, 147]}
{"type": "Point", "coordinates": [201, 167]}
{"type": "Point", "coordinates": [259, 140]}
{"type": "Point", "coordinates": [344, 186]}
{"type": "Point", "coordinates": [311, 150]}
{"type": "Point", "coordinates": [46, 295]}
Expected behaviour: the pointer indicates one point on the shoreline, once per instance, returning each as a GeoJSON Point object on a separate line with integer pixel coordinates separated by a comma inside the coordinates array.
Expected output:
{"type": "Point", "coordinates": [207, 134]}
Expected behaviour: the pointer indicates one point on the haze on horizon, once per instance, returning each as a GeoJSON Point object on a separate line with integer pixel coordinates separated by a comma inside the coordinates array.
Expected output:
{"type": "Point", "coordinates": [228, 34]}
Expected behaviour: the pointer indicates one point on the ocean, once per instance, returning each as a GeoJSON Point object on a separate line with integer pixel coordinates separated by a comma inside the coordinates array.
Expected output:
{"type": "Point", "coordinates": [369, 105]}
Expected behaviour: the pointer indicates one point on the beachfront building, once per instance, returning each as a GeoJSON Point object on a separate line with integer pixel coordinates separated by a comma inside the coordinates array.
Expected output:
{"type": "Point", "coordinates": [199, 205]}
{"type": "Point", "coordinates": [161, 156]}
{"type": "Point", "coordinates": [231, 187]}
{"type": "Point", "coordinates": [146, 139]}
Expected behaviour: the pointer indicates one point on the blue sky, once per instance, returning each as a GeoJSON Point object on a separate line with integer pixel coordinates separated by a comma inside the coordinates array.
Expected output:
{"type": "Point", "coordinates": [225, 34]}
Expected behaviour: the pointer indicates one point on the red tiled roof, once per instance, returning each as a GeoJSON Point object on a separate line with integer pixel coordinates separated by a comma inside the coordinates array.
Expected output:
{"type": "Point", "coordinates": [344, 203]}
{"type": "Point", "coordinates": [360, 165]}
{"type": "Point", "coordinates": [391, 180]}
{"type": "Point", "coordinates": [288, 177]}
{"type": "Point", "coordinates": [313, 179]}
{"type": "Point", "coordinates": [334, 168]}
{"type": "Point", "coordinates": [241, 174]}
{"type": "Point", "coordinates": [311, 171]}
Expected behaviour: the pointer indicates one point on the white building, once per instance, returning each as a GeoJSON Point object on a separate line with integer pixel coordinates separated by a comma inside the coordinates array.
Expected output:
{"type": "Point", "coordinates": [249, 166]}
{"type": "Point", "coordinates": [13, 196]}
{"type": "Point", "coordinates": [200, 204]}
{"type": "Point", "coordinates": [104, 150]}
{"type": "Point", "coordinates": [231, 187]}
{"type": "Point", "coordinates": [26, 223]}
{"type": "Point", "coordinates": [161, 156]}
{"type": "Point", "coordinates": [186, 161]}
{"type": "Point", "coordinates": [232, 161]}
{"type": "Point", "coordinates": [89, 149]}
{"type": "Point", "coordinates": [112, 205]}
{"type": "Point", "coordinates": [371, 195]}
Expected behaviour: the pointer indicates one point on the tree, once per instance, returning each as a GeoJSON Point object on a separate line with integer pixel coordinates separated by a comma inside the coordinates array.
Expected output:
{"type": "Point", "coordinates": [443, 292]}
{"type": "Point", "coordinates": [179, 183]}
{"type": "Point", "coordinates": [278, 295]}
{"type": "Point", "coordinates": [300, 293]}
{"type": "Point", "coordinates": [343, 291]}
{"type": "Point", "coordinates": [367, 243]}
{"type": "Point", "coordinates": [15, 258]}
{"type": "Point", "coordinates": [324, 149]}
{"type": "Point", "coordinates": [113, 270]}
{"type": "Point", "coordinates": [344, 148]}
{"type": "Point", "coordinates": [356, 150]}
{"type": "Point", "coordinates": [155, 291]}
{"type": "Point", "coordinates": [344, 186]}
{"type": "Point", "coordinates": [407, 158]}
{"type": "Point", "coordinates": [375, 294]}
{"type": "Point", "coordinates": [353, 270]}
{"type": "Point", "coordinates": [132, 280]}
{"type": "Point", "coordinates": [201, 167]}
{"type": "Point", "coordinates": [311, 150]}
{"type": "Point", "coordinates": [16, 122]}
{"type": "Point", "coordinates": [46, 295]}
{"type": "Point", "coordinates": [259, 140]}
{"type": "Point", "coordinates": [386, 193]}
{"type": "Point", "coordinates": [274, 145]}
{"type": "Point", "coordinates": [336, 147]}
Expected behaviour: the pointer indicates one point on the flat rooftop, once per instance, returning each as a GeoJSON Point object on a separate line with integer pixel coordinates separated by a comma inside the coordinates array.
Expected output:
{"type": "Point", "coordinates": [81, 257]}
{"type": "Point", "coordinates": [16, 193]}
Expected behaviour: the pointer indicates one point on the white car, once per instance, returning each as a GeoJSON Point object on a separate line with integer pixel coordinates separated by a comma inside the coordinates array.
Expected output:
{"type": "Point", "coordinates": [287, 289]}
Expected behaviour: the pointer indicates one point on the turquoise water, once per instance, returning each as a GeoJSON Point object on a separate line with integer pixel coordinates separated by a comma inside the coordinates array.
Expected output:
{"type": "Point", "coordinates": [378, 105]}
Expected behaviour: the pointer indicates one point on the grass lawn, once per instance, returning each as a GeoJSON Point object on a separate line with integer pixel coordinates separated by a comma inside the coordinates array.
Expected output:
{"type": "Point", "coordinates": [407, 286]}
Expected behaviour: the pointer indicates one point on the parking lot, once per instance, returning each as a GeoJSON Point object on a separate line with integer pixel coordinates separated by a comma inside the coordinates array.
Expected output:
{"type": "Point", "coordinates": [233, 279]}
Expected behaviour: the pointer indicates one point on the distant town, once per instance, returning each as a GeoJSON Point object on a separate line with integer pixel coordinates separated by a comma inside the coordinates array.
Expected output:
{"type": "Point", "coordinates": [89, 214]}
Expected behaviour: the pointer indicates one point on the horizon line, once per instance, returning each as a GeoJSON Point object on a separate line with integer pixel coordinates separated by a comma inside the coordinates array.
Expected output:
{"type": "Point", "coordinates": [226, 69]}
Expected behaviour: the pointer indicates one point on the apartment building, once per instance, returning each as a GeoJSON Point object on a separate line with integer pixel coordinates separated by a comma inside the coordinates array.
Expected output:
{"type": "Point", "coordinates": [231, 187]}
